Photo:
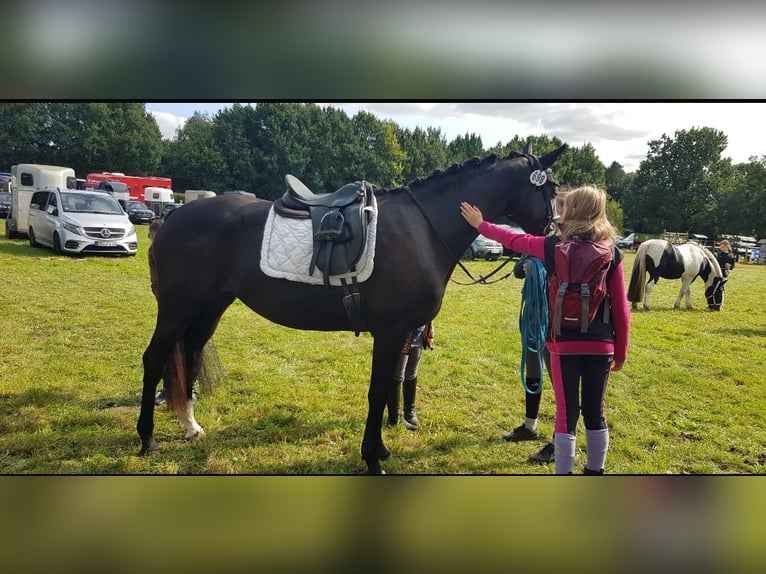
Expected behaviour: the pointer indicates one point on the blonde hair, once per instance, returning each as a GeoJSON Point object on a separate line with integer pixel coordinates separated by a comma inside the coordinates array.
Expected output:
{"type": "Point", "coordinates": [561, 195]}
{"type": "Point", "coordinates": [724, 243]}
{"type": "Point", "coordinates": [586, 215]}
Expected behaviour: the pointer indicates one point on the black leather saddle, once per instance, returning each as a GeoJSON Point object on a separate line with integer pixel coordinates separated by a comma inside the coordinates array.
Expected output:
{"type": "Point", "coordinates": [339, 223]}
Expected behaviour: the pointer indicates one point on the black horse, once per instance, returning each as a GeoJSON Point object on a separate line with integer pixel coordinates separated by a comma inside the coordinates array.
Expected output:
{"type": "Point", "coordinates": [208, 254]}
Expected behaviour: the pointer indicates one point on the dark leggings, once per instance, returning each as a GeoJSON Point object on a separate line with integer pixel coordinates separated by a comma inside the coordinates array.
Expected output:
{"type": "Point", "coordinates": [568, 371]}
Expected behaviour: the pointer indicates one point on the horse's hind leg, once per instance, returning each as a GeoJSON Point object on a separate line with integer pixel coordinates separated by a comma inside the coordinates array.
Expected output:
{"type": "Point", "coordinates": [649, 286]}
{"type": "Point", "coordinates": [154, 359]}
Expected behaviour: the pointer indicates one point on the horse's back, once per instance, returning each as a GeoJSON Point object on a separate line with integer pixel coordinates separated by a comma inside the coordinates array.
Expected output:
{"type": "Point", "coordinates": [200, 241]}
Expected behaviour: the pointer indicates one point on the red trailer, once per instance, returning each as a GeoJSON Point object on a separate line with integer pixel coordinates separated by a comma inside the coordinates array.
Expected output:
{"type": "Point", "coordinates": [136, 184]}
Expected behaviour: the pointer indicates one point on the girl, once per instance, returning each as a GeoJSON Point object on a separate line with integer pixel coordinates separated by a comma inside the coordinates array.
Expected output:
{"type": "Point", "coordinates": [580, 362]}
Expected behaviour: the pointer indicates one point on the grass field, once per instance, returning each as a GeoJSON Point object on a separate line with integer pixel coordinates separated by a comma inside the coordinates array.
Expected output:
{"type": "Point", "coordinates": [690, 400]}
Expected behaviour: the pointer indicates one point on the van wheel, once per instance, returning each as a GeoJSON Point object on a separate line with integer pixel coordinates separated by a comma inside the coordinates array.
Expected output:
{"type": "Point", "coordinates": [468, 255]}
{"type": "Point", "coordinates": [9, 233]}
{"type": "Point", "coordinates": [56, 244]}
{"type": "Point", "coordinates": [32, 241]}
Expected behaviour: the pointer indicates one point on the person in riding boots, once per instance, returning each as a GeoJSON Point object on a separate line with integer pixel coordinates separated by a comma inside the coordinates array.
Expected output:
{"type": "Point", "coordinates": [406, 376]}
{"type": "Point", "coordinates": [581, 363]}
{"type": "Point", "coordinates": [726, 261]}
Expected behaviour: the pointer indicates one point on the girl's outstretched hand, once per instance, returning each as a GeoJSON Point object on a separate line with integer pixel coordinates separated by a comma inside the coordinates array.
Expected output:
{"type": "Point", "coordinates": [471, 214]}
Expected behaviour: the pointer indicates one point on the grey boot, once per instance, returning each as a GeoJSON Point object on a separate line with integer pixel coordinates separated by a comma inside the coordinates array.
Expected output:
{"type": "Point", "coordinates": [410, 416]}
{"type": "Point", "coordinates": [393, 404]}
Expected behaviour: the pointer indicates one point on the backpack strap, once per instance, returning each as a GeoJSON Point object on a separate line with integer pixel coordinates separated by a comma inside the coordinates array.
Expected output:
{"type": "Point", "coordinates": [559, 307]}
{"type": "Point", "coordinates": [585, 296]}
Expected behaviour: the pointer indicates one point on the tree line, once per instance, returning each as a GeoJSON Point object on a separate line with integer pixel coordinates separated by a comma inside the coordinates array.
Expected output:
{"type": "Point", "coordinates": [683, 184]}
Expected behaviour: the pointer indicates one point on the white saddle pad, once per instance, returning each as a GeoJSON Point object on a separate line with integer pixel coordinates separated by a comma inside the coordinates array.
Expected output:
{"type": "Point", "coordinates": [288, 246]}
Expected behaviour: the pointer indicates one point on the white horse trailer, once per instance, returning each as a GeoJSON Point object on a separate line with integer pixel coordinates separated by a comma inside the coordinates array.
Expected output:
{"type": "Point", "coordinates": [192, 194]}
{"type": "Point", "coordinates": [26, 178]}
{"type": "Point", "coordinates": [156, 198]}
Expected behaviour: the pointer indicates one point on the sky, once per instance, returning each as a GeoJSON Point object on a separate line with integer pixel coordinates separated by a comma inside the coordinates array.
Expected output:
{"type": "Point", "coordinates": [618, 131]}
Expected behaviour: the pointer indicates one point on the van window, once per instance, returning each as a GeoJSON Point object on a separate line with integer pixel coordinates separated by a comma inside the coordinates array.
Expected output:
{"type": "Point", "coordinates": [39, 199]}
{"type": "Point", "coordinates": [27, 179]}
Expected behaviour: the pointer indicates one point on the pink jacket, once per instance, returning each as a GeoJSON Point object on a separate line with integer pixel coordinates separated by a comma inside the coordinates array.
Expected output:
{"type": "Point", "coordinates": [533, 245]}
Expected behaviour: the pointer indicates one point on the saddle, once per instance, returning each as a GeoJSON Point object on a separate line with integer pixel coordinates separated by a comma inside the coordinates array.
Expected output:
{"type": "Point", "coordinates": [339, 223]}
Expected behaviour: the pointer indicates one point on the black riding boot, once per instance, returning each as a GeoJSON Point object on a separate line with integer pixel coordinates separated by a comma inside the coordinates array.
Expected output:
{"type": "Point", "coordinates": [393, 404]}
{"type": "Point", "coordinates": [410, 417]}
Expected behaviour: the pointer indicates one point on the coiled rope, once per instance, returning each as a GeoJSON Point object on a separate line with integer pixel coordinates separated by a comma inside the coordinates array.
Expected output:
{"type": "Point", "coordinates": [533, 316]}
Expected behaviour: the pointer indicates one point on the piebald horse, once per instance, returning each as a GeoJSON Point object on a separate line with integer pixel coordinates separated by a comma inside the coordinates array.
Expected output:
{"type": "Point", "coordinates": [662, 259]}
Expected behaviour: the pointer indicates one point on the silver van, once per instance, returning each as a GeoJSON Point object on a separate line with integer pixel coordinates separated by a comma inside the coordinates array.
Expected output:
{"type": "Point", "coordinates": [79, 222]}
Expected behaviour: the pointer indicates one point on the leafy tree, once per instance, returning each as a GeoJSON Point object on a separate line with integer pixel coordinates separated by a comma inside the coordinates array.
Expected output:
{"type": "Point", "coordinates": [193, 160]}
{"type": "Point", "coordinates": [463, 148]}
{"type": "Point", "coordinates": [22, 133]}
{"type": "Point", "coordinates": [614, 213]}
{"type": "Point", "coordinates": [425, 151]}
{"type": "Point", "coordinates": [742, 206]}
{"type": "Point", "coordinates": [579, 166]}
{"type": "Point", "coordinates": [677, 185]}
{"type": "Point", "coordinates": [234, 130]}
{"type": "Point", "coordinates": [376, 155]}
{"type": "Point", "coordinates": [617, 181]}
{"type": "Point", "coordinates": [89, 136]}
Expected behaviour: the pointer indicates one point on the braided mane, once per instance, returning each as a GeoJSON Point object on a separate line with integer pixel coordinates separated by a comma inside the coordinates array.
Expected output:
{"type": "Point", "coordinates": [472, 163]}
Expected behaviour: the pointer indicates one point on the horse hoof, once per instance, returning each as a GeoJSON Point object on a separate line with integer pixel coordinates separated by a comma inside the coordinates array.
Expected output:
{"type": "Point", "coordinates": [148, 448]}
{"type": "Point", "coordinates": [374, 469]}
{"type": "Point", "coordinates": [194, 434]}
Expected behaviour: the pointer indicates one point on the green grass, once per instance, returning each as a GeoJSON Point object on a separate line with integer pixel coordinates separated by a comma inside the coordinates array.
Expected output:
{"type": "Point", "coordinates": [691, 398]}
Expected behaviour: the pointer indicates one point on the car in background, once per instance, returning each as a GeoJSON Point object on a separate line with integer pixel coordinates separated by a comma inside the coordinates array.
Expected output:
{"type": "Point", "coordinates": [78, 222]}
{"type": "Point", "coordinates": [238, 192]}
{"type": "Point", "coordinates": [626, 242]}
{"type": "Point", "coordinates": [168, 208]}
{"type": "Point", "coordinates": [5, 195]}
{"type": "Point", "coordinates": [5, 204]}
{"type": "Point", "coordinates": [506, 250]}
{"type": "Point", "coordinates": [138, 212]}
{"type": "Point", "coordinates": [485, 247]}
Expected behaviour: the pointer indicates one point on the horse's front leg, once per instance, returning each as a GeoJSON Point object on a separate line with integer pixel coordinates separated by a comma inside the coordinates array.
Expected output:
{"type": "Point", "coordinates": [385, 353]}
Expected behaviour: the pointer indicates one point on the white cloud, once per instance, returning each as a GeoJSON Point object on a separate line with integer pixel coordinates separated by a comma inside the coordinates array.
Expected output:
{"type": "Point", "coordinates": [618, 131]}
{"type": "Point", "coordinates": [168, 123]}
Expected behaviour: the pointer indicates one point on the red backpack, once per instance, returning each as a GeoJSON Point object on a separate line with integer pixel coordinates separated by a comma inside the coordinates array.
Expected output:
{"type": "Point", "coordinates": [578, 284]}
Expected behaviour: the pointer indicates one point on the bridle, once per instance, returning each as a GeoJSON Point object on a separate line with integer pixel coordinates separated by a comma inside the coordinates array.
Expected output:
{"type": "Point", "coordinates": [550, 215]}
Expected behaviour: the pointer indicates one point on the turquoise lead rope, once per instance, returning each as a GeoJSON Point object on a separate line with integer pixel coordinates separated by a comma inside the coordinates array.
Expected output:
{"type": "Point", "coordinates": [533, 316]}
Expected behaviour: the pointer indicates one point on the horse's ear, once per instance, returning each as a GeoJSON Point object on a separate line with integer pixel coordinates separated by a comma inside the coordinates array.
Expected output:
{"type": "Point", "coordinates": [549, 158]}
{"type": "Point", "coordinates": [528, 147]}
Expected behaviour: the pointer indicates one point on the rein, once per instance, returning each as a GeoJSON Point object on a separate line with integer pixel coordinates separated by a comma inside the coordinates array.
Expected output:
{"type": "Point", "coordinates": [549, 212]}
{"type": "Point", "coordinates": [474, 281]}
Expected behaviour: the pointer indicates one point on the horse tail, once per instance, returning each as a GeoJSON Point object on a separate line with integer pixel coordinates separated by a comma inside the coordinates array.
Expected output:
{"type": "Point", "coordinates": [174, 377]}
{"type": "Point", "coordinates": [637, 287]}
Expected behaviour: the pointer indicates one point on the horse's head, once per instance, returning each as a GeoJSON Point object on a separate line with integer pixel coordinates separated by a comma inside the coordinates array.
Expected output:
{"type": "Point", "coordinates": [534, 209]}
{"type": "Point", "coordinates": [710, 270]}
